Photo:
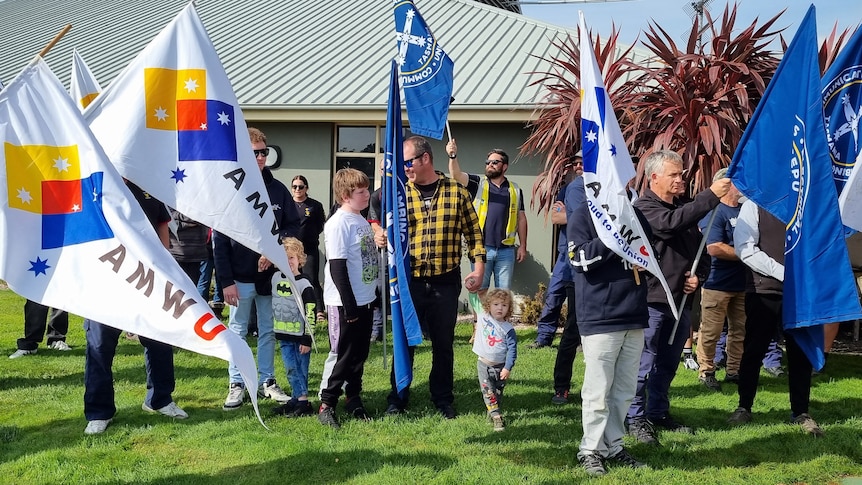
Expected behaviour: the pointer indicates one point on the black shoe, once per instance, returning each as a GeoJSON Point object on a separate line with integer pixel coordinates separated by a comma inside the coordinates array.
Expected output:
{"type": "Point", "coordinates": [732, 378]}
{"type": "Point", "coordinates": [721, 364]}
{"type": "Point", "coordinates": [447, 411]}
{"type": "Point", "coordinates": [710, 382]}
{"type": "Point", "coordinates": [326, 416]}
{"type": "Point", "coordinates": [356, 408]}
{"type": "Point", "coordinates": [643, 431]}
{"type": "Point", "coordinates": [285, 409]}
{"type": "Point", "coordinates": [669, 424]}
{"type": "Point", "coordinates": [302, 408]}
{"type": "Point", "coordinates": [624, 458]}
{"type": "Point", "coordinates": [537, 345]}
{"type": "Point", "coordinates": [394, 410]}
{"type": "Point", "coordinates": [560, 397]}
{"type": "Point", "coordinates": [593, 464]}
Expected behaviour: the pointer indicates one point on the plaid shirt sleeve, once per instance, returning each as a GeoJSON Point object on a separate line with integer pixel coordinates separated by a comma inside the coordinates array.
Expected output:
{"type": "Point", "coordinates": [435, 232]}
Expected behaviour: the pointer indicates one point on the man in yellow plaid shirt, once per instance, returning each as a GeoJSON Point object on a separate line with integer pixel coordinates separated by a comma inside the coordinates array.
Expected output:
{"type": "Point", "coordinates": [439, 213]}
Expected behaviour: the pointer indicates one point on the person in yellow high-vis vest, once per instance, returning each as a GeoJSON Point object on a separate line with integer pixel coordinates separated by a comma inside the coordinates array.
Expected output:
{"type": "Point", "coordinates": [499, 204]}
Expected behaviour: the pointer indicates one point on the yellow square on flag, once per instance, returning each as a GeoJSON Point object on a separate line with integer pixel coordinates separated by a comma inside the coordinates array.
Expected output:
{"type": "Point", "coordinates": [163, 87]}
{"type": "Point", "coordinates": [27, 166]}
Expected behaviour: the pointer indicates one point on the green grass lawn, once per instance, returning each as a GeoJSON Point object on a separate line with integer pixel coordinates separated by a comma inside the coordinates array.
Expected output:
{"type": "Point", "coordinates": [42, 423]}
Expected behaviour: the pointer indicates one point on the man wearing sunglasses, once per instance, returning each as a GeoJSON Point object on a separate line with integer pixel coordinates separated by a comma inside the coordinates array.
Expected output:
{"type": "Point", "coordinates": [439, 214]}
{"type": "Point", "coordinates": [245, 278]}
{"type": "Point", "coordinates": [499, 204]}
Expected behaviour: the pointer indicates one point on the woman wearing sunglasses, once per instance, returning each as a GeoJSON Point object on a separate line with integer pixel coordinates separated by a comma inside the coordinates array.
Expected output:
{"type": "Point", "coordinates": [312, 218]}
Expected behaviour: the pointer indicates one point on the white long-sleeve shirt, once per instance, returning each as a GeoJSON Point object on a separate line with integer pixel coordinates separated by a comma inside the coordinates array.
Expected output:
{"type": "Point", "coordinates": [746, 237]}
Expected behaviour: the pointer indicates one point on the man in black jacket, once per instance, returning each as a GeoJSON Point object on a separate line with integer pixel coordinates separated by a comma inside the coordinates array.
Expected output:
{"type": "Point", "coordinates": [245, 278]}
{"type": "Point", "coordinates": [675, 241]}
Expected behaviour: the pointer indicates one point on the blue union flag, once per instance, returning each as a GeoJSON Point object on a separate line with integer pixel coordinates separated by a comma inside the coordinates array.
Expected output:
{"type": "Point", "coordinates": [426, 72]}
{"type": "Point", "coordinates": [782, 165]}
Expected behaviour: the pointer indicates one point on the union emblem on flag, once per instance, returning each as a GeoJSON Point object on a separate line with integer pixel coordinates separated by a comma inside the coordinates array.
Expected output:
{"type": "Point", "coordinates": [46, 180]}
{"type": "Point", "coordinates": [176, 101]}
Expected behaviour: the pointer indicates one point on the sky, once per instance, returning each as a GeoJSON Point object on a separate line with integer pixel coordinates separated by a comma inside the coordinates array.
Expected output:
{"type": "Point", "coordinates": [633, 16]}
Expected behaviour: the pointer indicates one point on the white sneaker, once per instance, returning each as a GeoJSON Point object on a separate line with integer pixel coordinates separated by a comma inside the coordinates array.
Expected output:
{"type": "Point", "coordinates": [60, 345]}
{"type": "Point", "coordinates": [234, 397]}
{"type": "Point", "coordinates": [690, 363]}
{"type": "Point", "coordinates": [271, 390]}
{"type": "Point", "coordinates": [97, 426]}
{"type": "Point", "coordinates": [22, 353]}
{"type": "Point", "coordinates": [171, 410]}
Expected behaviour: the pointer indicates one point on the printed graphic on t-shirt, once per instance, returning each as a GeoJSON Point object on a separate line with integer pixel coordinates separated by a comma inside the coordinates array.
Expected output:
{"type": "Point", "coordinates": [286, 314]}
{"type": "Point", "coordinates": [489, 333]}
{"type": "Point", "coordinates": [370, 258]}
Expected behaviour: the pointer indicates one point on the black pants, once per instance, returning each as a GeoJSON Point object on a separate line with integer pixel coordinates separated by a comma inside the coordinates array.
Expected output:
{"type": "Point", "coordinates": [351, 345]}
{"type": "Point", "coordinates": [436, 305]}
{"type": "Point", "coordinates": [311, 268]}
{"type": "Point", "coordinates": [568, 347]}
{"type": "Point", "coordinates": [36, 321]}
{"type": "Point", "coordinates": [763, 318]}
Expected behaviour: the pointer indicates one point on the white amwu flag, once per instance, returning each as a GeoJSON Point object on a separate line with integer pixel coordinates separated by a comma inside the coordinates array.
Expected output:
{"type": "Point", "coordinates": [83, 86]}
{"type": "Point", "coordinates": [171, 123]}
{"type": "Point", "coordinates": [72, 236]}
{"type": "Point", "coordinates": [607, 170]}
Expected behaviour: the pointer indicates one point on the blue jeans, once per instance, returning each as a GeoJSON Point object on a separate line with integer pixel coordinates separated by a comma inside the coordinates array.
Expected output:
{"type": "Point", "coordinates": [659, 362]}
{"type": "Point", "coordinates": [555, 295]}
{"type": "Point", "coordinates": [207, 268]}
{"type": "Point", "coordinates": [99, 377]}
{"type": "Point", "coordinates": [499, 262]}
{"type": "Point", "coordinates": [238, 323]}
{"type": "Point", "coordinates": [296, 367]}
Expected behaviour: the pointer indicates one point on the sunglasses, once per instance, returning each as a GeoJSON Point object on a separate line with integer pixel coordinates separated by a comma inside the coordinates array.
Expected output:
{"type": "Point", "coordinates": [495, 162]}
{"type": "Point", "coordinates": [409, 162]}
{"type": "Point", "coordinates": [298, 187]}
{"type": "Point", "coordinates": [264, 152]}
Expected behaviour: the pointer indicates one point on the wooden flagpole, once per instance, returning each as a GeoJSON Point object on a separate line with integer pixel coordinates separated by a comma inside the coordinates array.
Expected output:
{"type": "Point", "coordinates": [66, 29]}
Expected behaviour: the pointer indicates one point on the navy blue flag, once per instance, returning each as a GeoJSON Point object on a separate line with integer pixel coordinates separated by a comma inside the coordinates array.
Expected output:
{"type": "Point", "coordinates": [426, 72]}
{"type": "Point", "coordinates": [842, 107]}
{"type": "Point", "coordinates": [405, 323]}
{"type": "Point", "coordinates": [796, 187]}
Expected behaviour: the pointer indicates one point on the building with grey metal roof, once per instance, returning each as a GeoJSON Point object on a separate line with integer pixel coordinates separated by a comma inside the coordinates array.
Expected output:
{"type": "Point", "coordinates": [314, 75]}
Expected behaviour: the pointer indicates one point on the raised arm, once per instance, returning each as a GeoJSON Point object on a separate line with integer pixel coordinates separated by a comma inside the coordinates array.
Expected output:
{"type": "Point", "coordinates": [455, 171]}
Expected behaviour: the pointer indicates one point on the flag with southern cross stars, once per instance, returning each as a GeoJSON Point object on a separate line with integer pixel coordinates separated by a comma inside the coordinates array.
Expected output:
{"type": "Point", "coordinates": [608, 169]}
{"type": "Point", "coordinates": [72, 236]}
{"type": "Point", "coordinates": [426, 72]}
{"type": "Point", "coordinates": [171, 123]}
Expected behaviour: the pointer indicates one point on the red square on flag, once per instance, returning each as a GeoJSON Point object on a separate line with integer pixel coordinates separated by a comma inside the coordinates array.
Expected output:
{"type": "Point", "coordinates": [191, 114]}
{"type": "Point", "coordinates": [61, 196]}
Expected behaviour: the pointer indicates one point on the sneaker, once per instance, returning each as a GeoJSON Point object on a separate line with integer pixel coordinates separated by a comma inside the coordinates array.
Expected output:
{"type": "Point", "coordinates": [235, 395]}
{"type": "Point", "coordinates": [59, 345]}
{"type": "Point", "coordinates": [447, 411]}
{"type": "Point", "coordinates": [774, 371]}
{"type": "Point", "coordinates": [710, 382]}
{"type": "Point", "coordinates": [731, 378]}
{"type": "Point", "coordinates": [376, 337]}
{"type": "Point", "coordinates": [690, 362]}
{"type": "Point", "coordinates": [97, 426]}
{"type": "Point", "coordinates": [326, 416]}
{"type": "Point", "coordinates": [537, 345]}
{"type": "Point", "coordinates": [394, 410]}
{"type": "Point", "coordinates": [670, 424]}
{"type": "Point", "coordinates": [721, 364]}
{"type": "Point", "coordinates": [171, 410]}
{"type": "Point", "coordinates": [624, 458]}
{"type": "Point", "coordinates": [271, 390]}
{"type": "Point", "coordinates": [560, 397]}
{"type": "Point", "coordinates": [808, 424]}
{"type": "Point", "coordinates": [302, 408]}
{"type": "Point", "coordinates": [21, 353]}
{"type": "Point", "coordinates": [593, 464]}
{"type": "Point", "coordinates": [499, 425]}
{"type": "Point", "coordinates": [285, 409]}
{"type": "Point", "coordinates": [643, 431]}
{"type": "Point", "coordinates": [740, 416]}
{"type": "Point", "coordinates": [356, 408]}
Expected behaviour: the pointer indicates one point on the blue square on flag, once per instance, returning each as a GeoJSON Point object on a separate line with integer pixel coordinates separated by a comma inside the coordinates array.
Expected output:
{"type": "Point", "coordinates": [213, 140]}
{"type": "Point", "coordinates": [84, 225]}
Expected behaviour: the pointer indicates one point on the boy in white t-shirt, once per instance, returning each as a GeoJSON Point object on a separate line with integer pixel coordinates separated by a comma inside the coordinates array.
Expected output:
{"type": "Point", "coordinates": [350, 278]}
{"type": "Point", "coordinates": [497, 347]}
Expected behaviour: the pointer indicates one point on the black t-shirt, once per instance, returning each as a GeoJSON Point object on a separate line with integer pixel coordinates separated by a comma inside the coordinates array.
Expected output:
{"type": "Point", "coordinates": [155, 210]}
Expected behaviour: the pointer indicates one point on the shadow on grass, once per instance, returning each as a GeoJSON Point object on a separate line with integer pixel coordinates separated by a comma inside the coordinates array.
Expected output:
{"type": "Point", "coordinates": [327, 467]}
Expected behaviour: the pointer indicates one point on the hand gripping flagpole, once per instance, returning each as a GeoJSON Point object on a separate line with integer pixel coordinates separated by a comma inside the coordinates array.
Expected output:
{"type": "Point", "coordinates": [693, 268]}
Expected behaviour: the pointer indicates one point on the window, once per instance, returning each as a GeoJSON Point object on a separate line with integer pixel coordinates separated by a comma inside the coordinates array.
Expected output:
{"type": "Point", "coordinates": [358, 147]}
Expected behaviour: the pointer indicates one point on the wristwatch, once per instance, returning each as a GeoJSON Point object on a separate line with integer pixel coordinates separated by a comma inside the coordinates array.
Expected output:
{"type": "Point", "coordinates": [452, 157]}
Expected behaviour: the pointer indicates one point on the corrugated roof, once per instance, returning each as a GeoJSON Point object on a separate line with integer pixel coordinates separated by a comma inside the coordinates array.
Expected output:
{"type": "Point", "coordinates": [289, 55]}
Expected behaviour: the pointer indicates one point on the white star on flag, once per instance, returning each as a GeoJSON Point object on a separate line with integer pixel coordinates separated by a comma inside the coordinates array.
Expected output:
{"type": "Point", "coordinates": [191, 85]}
{"type": "Point", "coordinates": [61, 164]}
{"type": "Point", "coordinates": [161, 114]}
{"type": "Point", "coordinates": [24, 195]}
{"type": "Point", "coordinates": [608, 169]}
{"type": "Point", "coordinates": [223, 118]}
